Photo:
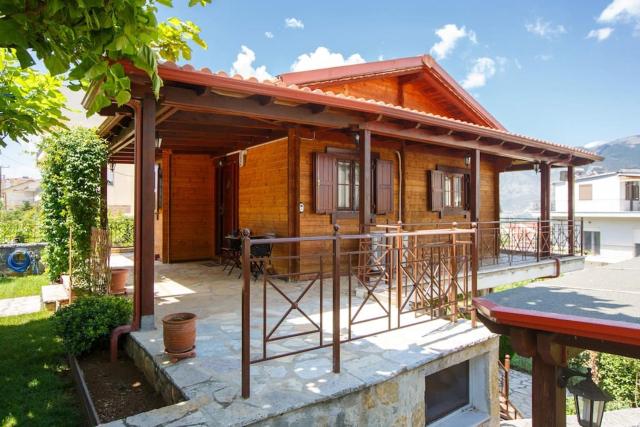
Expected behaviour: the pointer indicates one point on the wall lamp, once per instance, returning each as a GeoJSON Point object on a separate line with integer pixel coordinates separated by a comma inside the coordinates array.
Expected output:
{"type": "Point", "coordinates": [590, 400]}
{"type": "Point", "coordinates": [467, 160]}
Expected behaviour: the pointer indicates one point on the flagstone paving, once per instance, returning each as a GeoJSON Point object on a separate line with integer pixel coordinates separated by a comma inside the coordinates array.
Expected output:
{"type": "Point", "coordinates": [20, 305]}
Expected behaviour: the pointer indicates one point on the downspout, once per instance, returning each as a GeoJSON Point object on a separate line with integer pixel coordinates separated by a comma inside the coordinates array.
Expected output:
{"type": "Point", "coordinates": [399, 185]}
{"type": "Point", "coordinates": [117, 332]}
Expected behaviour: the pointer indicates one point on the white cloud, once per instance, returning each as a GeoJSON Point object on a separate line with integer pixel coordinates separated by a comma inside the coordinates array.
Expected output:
{"type": "Point", "coordinates": [544, 57]}
{"type": "Point", "coordinates": [449, 36]}
{"type": "Point", "coordinates": [600, 33]}
{"type": "Point", "coordinates": [482, 70]}
{"type": "Point", "coordinates": [627, 11]}
{"type": "Point", "coordinates": [324, 58]}
{"type": "Point", "coordinates": [243, 65]}
{"type": "Point", "coordinates": [268, 34]}
{"type": "Point", "coordinates": [294, 23]}
{"type": "Point", "coordinates": [518, 64]}
{"type": "Point", "coordinates": [545, 29]}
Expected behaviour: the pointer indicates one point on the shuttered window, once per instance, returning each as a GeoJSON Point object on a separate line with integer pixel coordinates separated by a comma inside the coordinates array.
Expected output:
{"type": "Point", "coordinates": [337, 184]}
{"type": "Point", "coordinates": [448, 191]}
{"type": "Point", "coordinates": [324, 188]}
{"type": "Point", "coordinates": [632, 190]}
{"type": "Point", "coordinates": [585, 192]}
{"type": "Point", "coordinates": [384, 186]}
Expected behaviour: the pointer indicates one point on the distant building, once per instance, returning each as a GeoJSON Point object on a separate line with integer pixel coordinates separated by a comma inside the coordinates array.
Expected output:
{"type": "Point", "coordinates": [609, 205]}
{"type": "Point", "coordinates": [18, 191]}
{"type": "Point", "coordinates": [121, 184]}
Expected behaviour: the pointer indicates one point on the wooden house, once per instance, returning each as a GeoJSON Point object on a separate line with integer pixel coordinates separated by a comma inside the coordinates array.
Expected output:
{"type": "Point", "coordinates": [357, 145]}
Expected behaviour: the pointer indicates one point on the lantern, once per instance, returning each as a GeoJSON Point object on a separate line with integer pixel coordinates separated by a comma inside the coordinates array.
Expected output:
{"type": "Point", "coordinates": [590, 401]}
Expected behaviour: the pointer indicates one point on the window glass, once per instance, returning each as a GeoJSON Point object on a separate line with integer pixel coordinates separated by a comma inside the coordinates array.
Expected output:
{"type": "Point", "coordinates": [457, 191]}
{"type": "Point", "coordinates": [446, 391]}
{"type": "Point", "coordinates": [344, 184]}
{"type": "Point", "coordinates": [447, 191]}
{"type": "Point", "coordinates": [356, 186]}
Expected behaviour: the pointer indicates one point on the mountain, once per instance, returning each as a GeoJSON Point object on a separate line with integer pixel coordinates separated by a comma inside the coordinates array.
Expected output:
{"type": "Point", "coordinates": [520, 191]}
{"type": "Point", "coordinates": [621, 153]}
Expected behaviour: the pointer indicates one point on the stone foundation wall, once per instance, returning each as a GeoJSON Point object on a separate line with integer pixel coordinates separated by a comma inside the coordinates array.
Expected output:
{"type": "Point", "coordinates": [400, 401]}
{"type": "Point", "coordinates": [144, 361]}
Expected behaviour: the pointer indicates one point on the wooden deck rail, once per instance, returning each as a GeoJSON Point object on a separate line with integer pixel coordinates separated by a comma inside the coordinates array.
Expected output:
{"type": "Point", "coordinates": [430, 272]}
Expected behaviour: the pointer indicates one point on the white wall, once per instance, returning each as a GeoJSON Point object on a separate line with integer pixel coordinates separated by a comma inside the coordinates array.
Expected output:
{"type": "Point", "coordinates": [618, 237]}
{"type": "Point", "coordinates": [16, 198]}
{"type": "Point", "coordinates": [608, 194]}
{"type": "Point", "coordinates": [120, 193]}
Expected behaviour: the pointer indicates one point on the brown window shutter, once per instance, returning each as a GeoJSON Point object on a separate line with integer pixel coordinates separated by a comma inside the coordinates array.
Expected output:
{"type": "Point", "coordinates": [466, 192]}
{"type": "Point", "coordinates": [436, 178]}
{"type": "Point", "coordinates": [324, 188]}
{"type": "Point", "coordinates": [384, 187]}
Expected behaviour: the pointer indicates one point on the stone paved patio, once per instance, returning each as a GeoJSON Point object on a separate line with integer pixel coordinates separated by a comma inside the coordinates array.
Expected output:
{"type": "Point", "coordinates": [211, 380]}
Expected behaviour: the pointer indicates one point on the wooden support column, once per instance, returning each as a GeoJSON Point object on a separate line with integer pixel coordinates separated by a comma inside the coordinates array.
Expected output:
{"type": "Point", "coordinates": [571, 215]}
{"type": "Point", "coordinates": [364, 149]}
{"type": "Point", "coordinates": [548, 401]}
{"type": "Point", "coordinates": [103, 197]}
{"type": "Point", "coordinates": [293, 174]}
{"type": "Point", "coordinates": [144, 206]}
{"type": "Point", "coordinates": [166, 205]}
{"type": "Point", "coordinates": [545, 209]}
{"type": "Point", "coordinates": [474, 185]}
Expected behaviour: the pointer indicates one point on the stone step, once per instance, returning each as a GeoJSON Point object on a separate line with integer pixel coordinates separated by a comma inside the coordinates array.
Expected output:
{"type": "Point", "coordinates": [54, 296]}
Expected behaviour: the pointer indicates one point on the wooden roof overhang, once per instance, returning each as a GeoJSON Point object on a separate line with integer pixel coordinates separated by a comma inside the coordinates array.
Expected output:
{"type": "Point", "coordinates": [202, 111]}
{"type": "Point", "coordinates": [582, 332]}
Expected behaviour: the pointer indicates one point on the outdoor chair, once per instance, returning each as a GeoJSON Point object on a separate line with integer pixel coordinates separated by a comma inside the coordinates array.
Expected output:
{"type": "Point", "coordinates": [232, 254]}
{"type": "Point", "coordinates": [260, 252]}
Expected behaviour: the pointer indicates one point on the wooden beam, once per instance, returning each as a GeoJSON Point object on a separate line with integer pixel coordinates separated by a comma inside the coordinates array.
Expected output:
{"type": "Point", "coordinates": [293, 196]}
{"type": "Point", "coordinates": [571, 215]}
{"type": "Point", "coordinates": [166, 205]}
{"type": "Point", "coordinates": [523, 341]}
{"type": "Point", "coordinates": [475, 185]}
{"type": "Point", "coordinates": [422, 135]}
{"type": "Point", "coordinates": [545, 209]}
{"type": "Point", "coordinates": [194, 118]}
{"type": "Point", "coordinates": [364, 149]}
{"type": "Point", "coordinates": [185, 99]}
{"type": "Point", "coordinates": [548, 401]}
{"type": "Point", "coordinates": [144, 207]}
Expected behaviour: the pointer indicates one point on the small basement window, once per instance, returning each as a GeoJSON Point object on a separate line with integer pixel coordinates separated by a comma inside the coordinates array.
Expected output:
{"type": "Point", "coordinates": [446, 391]}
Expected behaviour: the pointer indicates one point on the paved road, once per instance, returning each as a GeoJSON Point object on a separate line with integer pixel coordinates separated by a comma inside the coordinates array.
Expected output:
{"type": "Point", "coordinates": [22, 305]}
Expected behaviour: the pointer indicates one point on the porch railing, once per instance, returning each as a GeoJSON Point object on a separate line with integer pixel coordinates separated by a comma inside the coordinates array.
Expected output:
{"type": "Point", "coordinates": [392, 280]}
{"type": "Point", "coordinates": [513, 241]}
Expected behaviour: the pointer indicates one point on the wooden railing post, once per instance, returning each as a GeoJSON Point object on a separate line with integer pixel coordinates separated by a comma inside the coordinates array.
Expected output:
{"type": "Point", "coordinates": [474, 271]}
{"type": "Point", "coordinates": [453, 279]}
{"type": "Point", "coordinates": [399, 245]}
{"type": "Point", "coordinates": [246, 307]}
{"type": "Point", "coordinates": [538, 237]}
{"type": "Point", "coordinates": [505, 383]}
{"type": "Point", "coordinates": [336, 299]}
{"type": "Point", "coordinates": [581, 236]}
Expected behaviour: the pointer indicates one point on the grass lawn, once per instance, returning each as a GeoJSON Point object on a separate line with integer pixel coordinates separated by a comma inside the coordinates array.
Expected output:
{"type": "Point", "coordinates": [36, 388]}
{"type": "Point", "coordinates": [12, 287]}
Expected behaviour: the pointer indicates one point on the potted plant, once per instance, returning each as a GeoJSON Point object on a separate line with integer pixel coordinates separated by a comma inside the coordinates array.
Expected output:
{"type": "Point", "coordinates": [179, 333]}
{"type": "Point", "coordinates": [118, 281]}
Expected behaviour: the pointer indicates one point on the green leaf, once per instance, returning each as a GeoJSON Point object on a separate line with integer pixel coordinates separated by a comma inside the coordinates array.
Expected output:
{"type": "Point", "coordinates": [11, 33]}
{"type": "Point", "coordinates": [23, 56]}
{"type": "Point", "coordinates": [123, 97]}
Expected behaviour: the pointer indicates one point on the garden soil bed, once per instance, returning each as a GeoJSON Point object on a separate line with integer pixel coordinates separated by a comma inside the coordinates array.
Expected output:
{"type": "Point", "coordinates": [118, 390]}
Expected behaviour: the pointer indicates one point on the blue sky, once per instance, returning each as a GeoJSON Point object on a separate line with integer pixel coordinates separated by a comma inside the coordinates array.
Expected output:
{"type": "Point", "coordinates": [533, 65]}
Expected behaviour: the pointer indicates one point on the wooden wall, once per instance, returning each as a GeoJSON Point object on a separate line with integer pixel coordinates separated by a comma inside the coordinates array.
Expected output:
{"type": "Point", "coordinates": [263, 189]}
{"type": "Point", "coordinates": [416, 94]}
{"type": "Point", "coordinates": [192, 207]}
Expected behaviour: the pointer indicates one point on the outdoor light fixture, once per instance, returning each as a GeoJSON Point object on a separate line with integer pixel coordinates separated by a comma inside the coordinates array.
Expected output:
{"type": "Point", "coordinates": [536, 167]}
{"type": "Point", "coordinates": [467, 160]}
{"type": "Point", "coordinates": [158, 142]}
{"type": "Point", "coordinates": [590, 400]}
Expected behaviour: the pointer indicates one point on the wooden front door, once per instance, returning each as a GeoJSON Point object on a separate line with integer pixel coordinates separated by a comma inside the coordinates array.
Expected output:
{"type": "Point", "coordinates": [228, 177]}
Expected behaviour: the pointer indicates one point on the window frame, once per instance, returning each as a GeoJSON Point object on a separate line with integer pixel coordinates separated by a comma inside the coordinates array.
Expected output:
{"type": "Point", "coordinates": [450, 174]}
{"type": "Point", "coordinates": [354, 185]}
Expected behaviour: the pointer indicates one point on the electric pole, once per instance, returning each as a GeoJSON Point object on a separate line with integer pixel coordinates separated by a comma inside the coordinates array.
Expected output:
{"type": "Point", "coordinates": [2, 195]}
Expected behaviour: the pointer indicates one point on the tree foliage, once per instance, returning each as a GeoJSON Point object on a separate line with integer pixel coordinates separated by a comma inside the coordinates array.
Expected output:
{"type": "Point", "coordinates": [30, 101]}
{"type": "Point", "coordinates": [70, 168]}
{"type": "Point", "coordinates": [85, 40]}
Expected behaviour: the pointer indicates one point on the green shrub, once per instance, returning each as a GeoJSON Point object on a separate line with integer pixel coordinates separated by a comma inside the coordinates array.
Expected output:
{"type": "Point", "coordinates": [618, 376]}
{"type": "Point", "coordinates": [121, 229]}
{"type": "Point", "coordinates": [22, 224]}
{"type": "Point", "coordinates": [88, 322]}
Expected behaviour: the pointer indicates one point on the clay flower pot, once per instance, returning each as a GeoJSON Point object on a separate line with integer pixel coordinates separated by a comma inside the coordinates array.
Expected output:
{"type": "Point", "coordinates": [118, 281]}
{"type": "Point", "coordinates": [179, 332]}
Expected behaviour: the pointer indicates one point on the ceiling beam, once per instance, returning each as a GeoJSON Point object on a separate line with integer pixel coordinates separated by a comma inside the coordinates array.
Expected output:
{"type": "Point", "coordinates": [187, 100]}
{"type": "Point", "coordinates": [421, 135]}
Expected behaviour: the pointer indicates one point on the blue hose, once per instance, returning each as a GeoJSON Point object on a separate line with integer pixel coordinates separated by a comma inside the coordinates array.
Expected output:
{"type": "Point", "coordinates": [16, 264]}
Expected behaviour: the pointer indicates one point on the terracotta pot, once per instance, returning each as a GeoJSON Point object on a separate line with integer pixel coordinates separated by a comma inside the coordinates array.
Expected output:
{"type": "Point", "coordinates": [118, 280]}
{"type": "Point", "coordinates": [179, 332]}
